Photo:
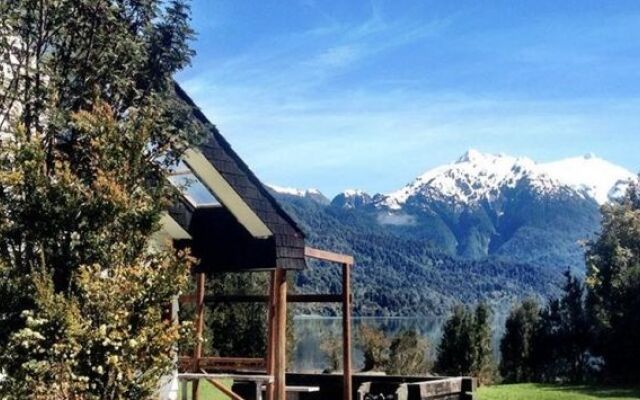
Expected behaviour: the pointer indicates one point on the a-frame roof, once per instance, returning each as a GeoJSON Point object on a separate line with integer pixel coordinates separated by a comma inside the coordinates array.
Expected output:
{"type": "Point", "coordinates": [250, 231]}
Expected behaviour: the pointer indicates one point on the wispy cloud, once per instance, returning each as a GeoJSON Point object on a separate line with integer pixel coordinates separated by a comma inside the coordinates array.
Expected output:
{"type": "Point", "coordinates": [307, 59]}
{"type": "Point", "coordinates": [317, 106]}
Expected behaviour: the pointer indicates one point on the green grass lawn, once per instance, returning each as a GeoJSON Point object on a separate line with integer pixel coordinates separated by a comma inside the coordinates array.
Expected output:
{"type": "Point", "coordinates": [208, 392]}
{"type": "Point", "coordinates": [554, 392]}
{"type": "Point", "coordinates": [526, 391]}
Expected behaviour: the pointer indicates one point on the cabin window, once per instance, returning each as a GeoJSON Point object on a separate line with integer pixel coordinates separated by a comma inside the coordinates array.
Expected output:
{"type": "Point", "coordinates": [191, 187]}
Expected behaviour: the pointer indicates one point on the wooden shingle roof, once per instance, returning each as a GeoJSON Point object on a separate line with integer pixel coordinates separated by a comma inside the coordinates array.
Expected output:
{"type": "Point", "coordinates": [222, 240]}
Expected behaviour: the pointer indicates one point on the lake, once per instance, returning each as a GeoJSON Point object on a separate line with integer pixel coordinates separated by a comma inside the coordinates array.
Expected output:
{"type": "Point", "coordinates": [311, 331]}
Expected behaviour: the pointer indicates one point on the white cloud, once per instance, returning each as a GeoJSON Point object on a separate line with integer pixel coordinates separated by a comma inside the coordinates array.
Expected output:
{"type": "Point", "coordinates": [279, 105]}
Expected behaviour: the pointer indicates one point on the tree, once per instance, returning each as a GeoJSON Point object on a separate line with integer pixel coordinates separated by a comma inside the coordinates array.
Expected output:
{"type": "Point", "coordinates": [465, 348]}
{"type": "Point", "coordinates": [408, 354]}
{"type": "Point", "coordinates": [613, 282]}
{"type": "Point", "coordinates": [331, 345]}
{"type": "Point", "coordinates": [237, 329]}
{"type": "Point", "coordinates": [91, 124]}
{"type": "Point", "coordinates": [516, 364]}
{"type": "Point", "coordinates": [562, 337]}
{"type": "Point", "coordinates": [455, 352]}
{"type": "Point", "coordinates": [546, 359]}
{"type": "Point", "coordinates": [574, 330]}
{"type": "Point", "coordinates": [375, 348]}
{"type": "Point", "coordinates": [484, 367]}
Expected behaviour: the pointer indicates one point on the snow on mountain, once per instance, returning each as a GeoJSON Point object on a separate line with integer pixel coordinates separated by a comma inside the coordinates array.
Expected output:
{"type": "Point", "coordinates": [598, 178]}
{"type": "Point", "coordinates": [352, 198]}
{"type": "Point", "coordinates": [293, 191]}
{"type": "Point", "coordinates": [479, 176]}
{"type": "Point", "coordinates": [353, 192]}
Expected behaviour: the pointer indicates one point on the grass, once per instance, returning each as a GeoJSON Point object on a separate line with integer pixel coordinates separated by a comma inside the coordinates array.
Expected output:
{"type": "Point", "coordinates": [524, 391]}
{"type": "Point", "coordinates": [528, 391]}
{"type": "Point", "coordinates": [208, 392]}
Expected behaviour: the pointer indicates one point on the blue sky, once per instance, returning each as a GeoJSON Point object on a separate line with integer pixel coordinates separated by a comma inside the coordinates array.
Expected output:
{"type": "Point", "coordinates": [369, 94]}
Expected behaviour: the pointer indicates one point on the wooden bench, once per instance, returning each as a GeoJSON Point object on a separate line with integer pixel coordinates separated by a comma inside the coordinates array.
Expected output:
{"type": "Point", "coordinates": [459, 388]}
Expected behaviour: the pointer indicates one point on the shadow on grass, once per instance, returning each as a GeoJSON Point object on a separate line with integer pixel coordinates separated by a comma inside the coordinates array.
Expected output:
{"type": "Point", "coordinates": [598, 392]}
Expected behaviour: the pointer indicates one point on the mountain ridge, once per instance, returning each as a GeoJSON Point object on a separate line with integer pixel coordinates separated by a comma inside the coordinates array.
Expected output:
{"type": "Point", "coordinates": [588, 175]}
{"type": "Point", "coordinates": [483, 227]}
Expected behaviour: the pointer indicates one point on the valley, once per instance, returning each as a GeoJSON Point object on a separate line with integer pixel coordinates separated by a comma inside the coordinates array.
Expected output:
{"type": "Point", "coordinates": [486, 227]}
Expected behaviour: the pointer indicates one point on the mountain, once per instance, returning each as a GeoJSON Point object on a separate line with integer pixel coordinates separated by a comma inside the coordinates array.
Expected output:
{"type": "Point", "coordinates": [311, 194]}
{"type": "Point", "coordinates": [486, 204]}
{"type": "Point", "coordinates": [351, 199]}
{"type": "Point", "coordinates": [478, 177]}
{"type": "Point", "coordinates": [485, 226]}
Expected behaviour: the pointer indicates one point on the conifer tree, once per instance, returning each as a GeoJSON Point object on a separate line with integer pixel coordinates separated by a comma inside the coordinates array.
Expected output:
{"type": "Point", "coordinates": [455, 352]}
{"type": "Point", "coordinates": [483, 367]}
{"type": "Point", "coordinates": [516, 364]}
{"type": "Point", "coordinates": [560, 344]}
{"type": "Point", "coordinates": [575, 329]}
{"type": "Point", "coordinates": [546, 343]}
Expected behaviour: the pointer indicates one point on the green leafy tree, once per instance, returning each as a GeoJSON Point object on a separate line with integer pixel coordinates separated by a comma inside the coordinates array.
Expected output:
{"type": "Point", "coordinates": [408, 354]}
{"type": "Point", "coordinates": [516, 364]}
{"type": "Point", "coordinates": [331, 346]}
{"type": "Point", "coordinates": [613, 281]}
{"type": "Point", "coordinates": [375, 348]}
{"type": "Point", "coordinates": [91, 122]}
{"type": "Point", "coordinates": [455, 352]}
{"type": "Point", "coordinates": [237, 329]}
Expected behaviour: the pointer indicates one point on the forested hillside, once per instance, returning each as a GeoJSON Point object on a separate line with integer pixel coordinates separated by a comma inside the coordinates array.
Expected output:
{"type": "Point", "coordinates": [397, 275]}
{"type": "Point", "coordinates": [487, 226]}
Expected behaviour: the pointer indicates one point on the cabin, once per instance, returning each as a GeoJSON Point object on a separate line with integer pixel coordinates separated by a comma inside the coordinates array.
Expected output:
{"type": "Point", "coordinates": [232, 224]}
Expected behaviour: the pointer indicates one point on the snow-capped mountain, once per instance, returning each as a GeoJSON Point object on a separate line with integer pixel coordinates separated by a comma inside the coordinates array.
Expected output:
{"type": "Point", "coordinates": [491, 225]}
{"type": "Point", "coordinates": [597, 178]}
{"type": "Point", "coordinates": [478, 177]}
{"type": "Point", "coordinates": [312, 193]}
{"type": "Point", "coordinates": [352, 198]}
{"type": "Point", "coordinates": [495, 204]}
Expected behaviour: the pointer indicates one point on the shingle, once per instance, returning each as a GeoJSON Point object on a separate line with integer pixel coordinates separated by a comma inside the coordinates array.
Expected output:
{"type": "Point", "coordinates": [288, 238]}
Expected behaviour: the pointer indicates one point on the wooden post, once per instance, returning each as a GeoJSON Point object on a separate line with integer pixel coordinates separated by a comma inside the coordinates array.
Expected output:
{"type": "Point", "coordinates": [346, 330]}
{"type": "Point", "coordinates": [280, 366]}
{"type": "Point", "coordinates": [271, 333]}
{"type": "Point", "coordinates": [197, 353]}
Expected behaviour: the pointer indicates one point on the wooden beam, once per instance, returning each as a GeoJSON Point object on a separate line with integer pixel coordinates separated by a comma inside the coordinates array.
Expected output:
{"type": "Point", "coordinates": [328, 256]}
{"type": "Point", "coordinates": [233, 361]}
{"type": "Point", "coordinates": [346, 331]}
{"type": "Point", "coordinates": [191, 376]}
{"type": "Point", "coordinates": [242, 298]}
{"type": "Point", "coordinates": [271, 333]}
{"type": "Point", "coordinates": [314, 298]}
{"type": "Point", "coordinates": [222, 363]}
{"type": "Point", "coordinates": [280, 366]}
